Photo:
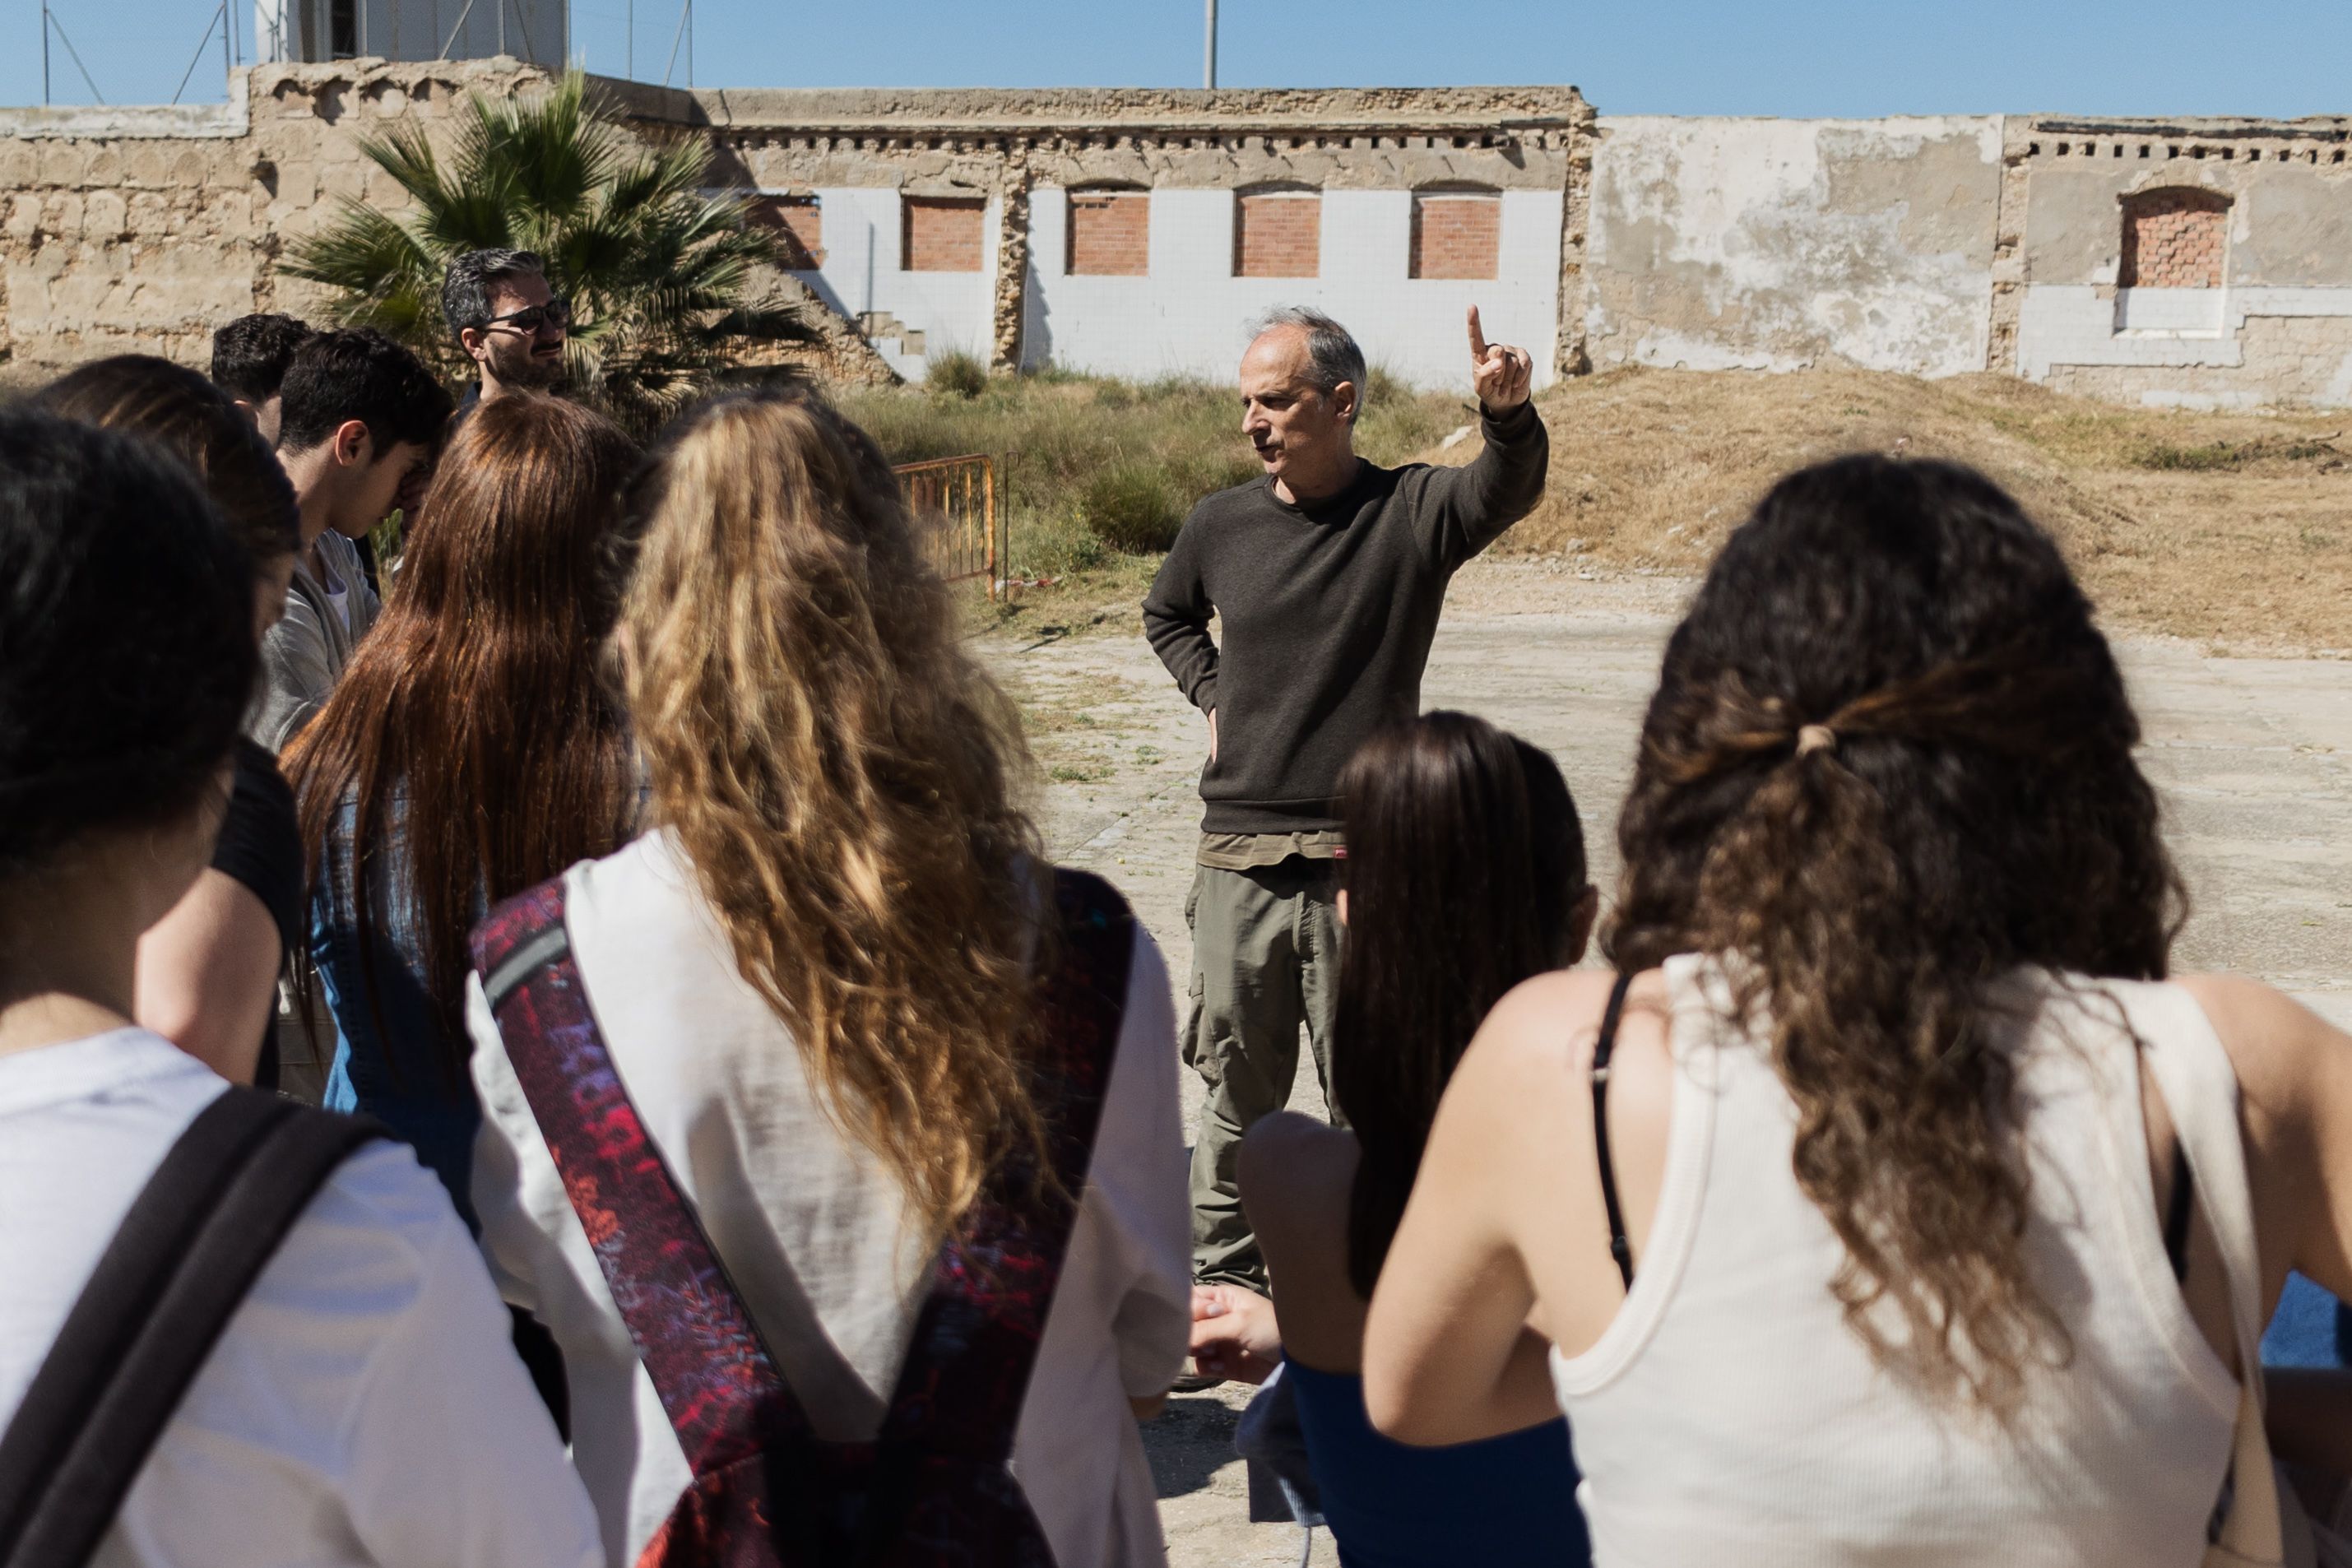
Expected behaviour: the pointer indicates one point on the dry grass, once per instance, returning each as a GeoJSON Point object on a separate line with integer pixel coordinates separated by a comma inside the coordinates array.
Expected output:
{"type": "Point", "coordinates": [2232, 528]}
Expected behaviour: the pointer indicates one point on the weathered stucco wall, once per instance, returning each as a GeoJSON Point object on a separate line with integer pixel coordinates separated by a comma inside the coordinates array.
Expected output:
{"type": "Point", "coordinates": [2275, 327]}
{"type": "Point", "coordinates": [1775, 244]}
{"type": "Point", "coordinates": [1927, 246]}
{"type": "Point", "coordinates": [143, 229]}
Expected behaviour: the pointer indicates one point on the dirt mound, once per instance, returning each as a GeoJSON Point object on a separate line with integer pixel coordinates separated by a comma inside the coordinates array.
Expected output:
{"type": "Point", "coordinates": [2232, 528]}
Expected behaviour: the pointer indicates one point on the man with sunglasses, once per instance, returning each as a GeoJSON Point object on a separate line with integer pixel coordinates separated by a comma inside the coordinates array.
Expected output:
{"type": "Point", "coordinates": [508, 320]}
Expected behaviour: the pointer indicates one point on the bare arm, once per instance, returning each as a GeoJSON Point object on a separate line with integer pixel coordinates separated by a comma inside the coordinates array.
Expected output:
{"type": "Point", "coordinates": [2294, 1079]}
{"type": "Point", "coordinates": [1449, 1356]}
{"type": "Point", "coordinates": [207, 978]}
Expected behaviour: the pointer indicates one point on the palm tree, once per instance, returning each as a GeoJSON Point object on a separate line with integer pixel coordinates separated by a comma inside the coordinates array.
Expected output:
{"type": "Point", "coordinates": [656, 270]}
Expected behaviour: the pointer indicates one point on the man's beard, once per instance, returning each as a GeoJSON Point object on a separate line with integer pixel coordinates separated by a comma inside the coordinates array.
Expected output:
{"type": "Point", "coordinates": [528, 370]}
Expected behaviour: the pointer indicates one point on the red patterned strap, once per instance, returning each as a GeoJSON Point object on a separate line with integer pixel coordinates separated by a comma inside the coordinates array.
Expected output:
{"type": "Point", "coordinates": [716, 1380]}
{"type": "Point", "coordinates": [976, 1340]}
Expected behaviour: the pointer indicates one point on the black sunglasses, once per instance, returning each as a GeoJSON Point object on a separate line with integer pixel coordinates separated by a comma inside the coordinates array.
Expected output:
{"type": "Point", "coordinates": [556, 313]}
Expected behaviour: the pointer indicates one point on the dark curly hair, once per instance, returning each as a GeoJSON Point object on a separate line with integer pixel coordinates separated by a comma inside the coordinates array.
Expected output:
{"type": "Point", "coordinates": [250, 355]}
{"type": "Point", "coordinates": [1973, 807]}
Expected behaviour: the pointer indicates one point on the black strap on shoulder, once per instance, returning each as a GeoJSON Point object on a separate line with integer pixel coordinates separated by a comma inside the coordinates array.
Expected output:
{"type": "Point", "coordinates": [1619, 1248]}
{"type": "Point", "coordinates": [196, 1238]}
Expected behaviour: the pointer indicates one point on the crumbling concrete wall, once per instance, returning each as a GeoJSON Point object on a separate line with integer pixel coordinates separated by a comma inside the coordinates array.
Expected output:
{"type": "Point", "coordinates": [2275, 328]}
{"type": "Point", "coordinates": [1924, 246]}
{"type": "Point", "coordinates": [1779, 244]}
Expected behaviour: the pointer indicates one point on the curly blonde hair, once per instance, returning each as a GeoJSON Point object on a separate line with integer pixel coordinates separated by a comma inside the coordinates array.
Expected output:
{"type": "Point", "coordinates": [838, 771]}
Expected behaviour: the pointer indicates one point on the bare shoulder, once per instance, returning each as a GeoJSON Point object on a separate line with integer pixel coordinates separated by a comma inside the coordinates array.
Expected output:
{"type": "Point", "coordinates": [2279, 1047]}
{"type": "Point", "coordinates": [1296, 1171]}
{"type": "Point", "coordinates": [1552, 1022]}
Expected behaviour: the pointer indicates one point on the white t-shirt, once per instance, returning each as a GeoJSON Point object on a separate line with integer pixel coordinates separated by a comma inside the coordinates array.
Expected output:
{"type": "Point", "coordinates": [811, 1228]}
{"type": "Point", "coordinates": [364, 1406]}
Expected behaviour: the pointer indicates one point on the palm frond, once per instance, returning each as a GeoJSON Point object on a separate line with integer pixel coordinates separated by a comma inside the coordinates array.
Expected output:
{"type": "Point", "coordinates": [660, 270]}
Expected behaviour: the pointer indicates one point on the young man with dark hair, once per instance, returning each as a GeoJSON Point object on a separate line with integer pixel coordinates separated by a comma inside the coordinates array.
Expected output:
{"type": "Point", "coordinates": [361, 422]}
{"type": "Point", "coordinates": [510, 323]}
{"type": "Point", "coordinates": [249, 359]}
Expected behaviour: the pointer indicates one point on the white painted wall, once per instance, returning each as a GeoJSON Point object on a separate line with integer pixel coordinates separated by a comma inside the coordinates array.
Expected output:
{"type": "Point", "coordinates": [2086, 325]}
{"type": "Point", "coordinates": [1189, 316]}
{"type": "Point", "coordinates": [1779, 244]}
{"type": "Point", "coordinates": [953, 310]}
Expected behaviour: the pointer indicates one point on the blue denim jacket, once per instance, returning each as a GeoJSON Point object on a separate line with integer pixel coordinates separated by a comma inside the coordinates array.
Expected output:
{"type": "Point", "coordinates": [391, 1057]}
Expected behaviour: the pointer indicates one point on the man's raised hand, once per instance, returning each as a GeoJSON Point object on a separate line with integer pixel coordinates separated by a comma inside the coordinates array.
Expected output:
{"type": "Point", "coordinates": [1500, 374]}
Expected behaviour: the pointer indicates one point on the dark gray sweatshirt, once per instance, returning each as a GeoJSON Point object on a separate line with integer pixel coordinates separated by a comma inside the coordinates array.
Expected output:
{"type": "Point", "coordinates": [1329, 611]}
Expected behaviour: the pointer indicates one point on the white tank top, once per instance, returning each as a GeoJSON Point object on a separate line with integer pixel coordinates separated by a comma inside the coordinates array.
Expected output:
{"type": "Point", "coordinates": [1727, 1415]}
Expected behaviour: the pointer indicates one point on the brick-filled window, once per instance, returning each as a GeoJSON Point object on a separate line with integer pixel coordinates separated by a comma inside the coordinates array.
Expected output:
{"type": "Point", "coordinates": [1110, 233]}
{"type": "Point", "coordinates": [1456, 234]}
{"type": "Point", "coordinates": [1278, 233]}
{"type": "Point", "coordinates": [799, 225]}
{"type": "Point", "coordinates": [940, 234]}
{"type": "Point", "coordinates": [2173, 238]}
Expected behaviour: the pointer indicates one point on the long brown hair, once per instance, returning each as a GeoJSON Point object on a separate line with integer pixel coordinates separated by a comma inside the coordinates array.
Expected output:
{"type": "Point", "coordinates": [1465, 863]}
{"type": "Point", "coordinates": [836, 770]}
{"type": "Point", "coordinates": [1889, 761]}
{"type": "Point", "coordinates": [473, 724]}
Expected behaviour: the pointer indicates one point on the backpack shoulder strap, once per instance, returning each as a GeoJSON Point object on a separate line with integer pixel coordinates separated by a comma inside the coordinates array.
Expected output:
{"type": "Point", "coordinates": [195, 1239]}
{"type": "Point", "coordinates": [976, 1340]}
{"type": "Point", "coordinates": [716, 1380]}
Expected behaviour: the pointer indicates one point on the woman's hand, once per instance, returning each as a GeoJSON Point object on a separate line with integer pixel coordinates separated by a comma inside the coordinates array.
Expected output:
{"type": "Point", "coordinates": [1235, 1334]}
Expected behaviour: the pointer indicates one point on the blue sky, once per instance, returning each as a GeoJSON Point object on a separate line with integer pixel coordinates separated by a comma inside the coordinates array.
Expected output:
{"type": "Point", "coordinates": [1665, 57]}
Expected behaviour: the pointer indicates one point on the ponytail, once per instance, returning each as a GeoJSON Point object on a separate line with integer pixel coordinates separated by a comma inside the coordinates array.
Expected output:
{"type": "Point", "coordinates": [1889, 761]}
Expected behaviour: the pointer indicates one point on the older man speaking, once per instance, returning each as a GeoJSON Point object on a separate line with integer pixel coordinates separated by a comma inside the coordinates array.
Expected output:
{"type": "Point", "coordinates": [1327, 573]}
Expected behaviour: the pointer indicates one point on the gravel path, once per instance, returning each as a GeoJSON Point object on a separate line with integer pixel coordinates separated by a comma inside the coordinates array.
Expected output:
{"type": "Point", "coordinates": [2253, 758]}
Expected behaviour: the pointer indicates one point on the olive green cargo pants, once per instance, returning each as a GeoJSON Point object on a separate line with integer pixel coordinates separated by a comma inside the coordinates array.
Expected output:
{"type": "Point", "coordinates": [1266, 959]}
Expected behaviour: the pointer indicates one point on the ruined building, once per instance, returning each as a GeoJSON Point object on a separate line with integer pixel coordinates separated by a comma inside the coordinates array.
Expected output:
{"type": "Point", "coordinates": [1136, 232]}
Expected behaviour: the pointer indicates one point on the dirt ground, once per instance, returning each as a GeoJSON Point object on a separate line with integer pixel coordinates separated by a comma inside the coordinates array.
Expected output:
{"type": "Point", "coordinates": [2254, 757]}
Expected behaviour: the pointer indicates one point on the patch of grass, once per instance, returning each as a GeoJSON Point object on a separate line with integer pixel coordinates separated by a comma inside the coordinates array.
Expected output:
{"type": "Point", "coordinates": [1134, 508]}
{"type": "Point", "coordinates": [1061, 441]}
{"type": "Point", "coordinates": [2217, 454]}
{"type": "Point", "coordinates": [1650, 469]}
{"type": "Point", "coordinates": [956, 374]}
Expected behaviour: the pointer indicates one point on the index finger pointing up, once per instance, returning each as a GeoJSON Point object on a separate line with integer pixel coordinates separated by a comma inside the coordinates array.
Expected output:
{"type": "Point", "coordinates": [1478, 336]}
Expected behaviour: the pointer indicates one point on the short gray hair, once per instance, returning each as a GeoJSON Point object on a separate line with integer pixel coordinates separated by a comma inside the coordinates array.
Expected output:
{"type": "Point", "coordinates": [466, 286]}
{"type": "Point", "coordinates": [1332, 354]}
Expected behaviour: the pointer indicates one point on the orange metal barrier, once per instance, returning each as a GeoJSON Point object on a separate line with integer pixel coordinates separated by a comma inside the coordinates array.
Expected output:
{"type": "Point", "coordinates": [955, 497]}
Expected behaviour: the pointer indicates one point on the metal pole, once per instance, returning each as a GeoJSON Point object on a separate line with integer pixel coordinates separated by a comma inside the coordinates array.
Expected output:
{"type": "Point", "coordinates": [689, 45]}
{"type": "Point", "coordinates": [1209, 61]}
{"type": "Point", "coordinates": [44, 52]}
{"type": "Point", "coordinates": [229, 37]}
{"type": "Point", "coordinates": [630, 70]}
{"type": "Point", "coordinates": [674, 39]}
